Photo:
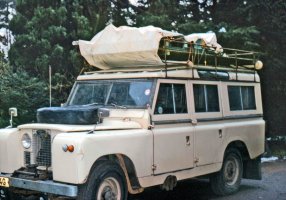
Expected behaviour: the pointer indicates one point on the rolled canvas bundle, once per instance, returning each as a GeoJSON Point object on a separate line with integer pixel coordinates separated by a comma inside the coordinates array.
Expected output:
{"type": "Point", "coordinates": [133, 47]}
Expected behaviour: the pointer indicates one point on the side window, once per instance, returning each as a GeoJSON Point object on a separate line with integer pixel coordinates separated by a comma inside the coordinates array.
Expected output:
{"type": "Point", "coordinates": [241, 98]}
{"type": "Point", "coordinates": [171, 99]}
{"type": "Point", "coordinates": [206, 98]}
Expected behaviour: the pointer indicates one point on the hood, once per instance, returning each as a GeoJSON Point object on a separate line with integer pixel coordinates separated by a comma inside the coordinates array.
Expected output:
{"type": "Point", "coordinates": [108, 124]}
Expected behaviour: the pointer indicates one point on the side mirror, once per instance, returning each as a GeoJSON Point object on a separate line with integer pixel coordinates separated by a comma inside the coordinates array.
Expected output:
{"type": "Point", "coordinates": [103, 112]}
{"type": "Point", "coordinates": [13, 113]}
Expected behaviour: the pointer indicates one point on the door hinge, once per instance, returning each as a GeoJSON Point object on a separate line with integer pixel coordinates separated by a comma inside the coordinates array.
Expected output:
{"type": "Point", "coordinates": [196, 160]}
{"type": "Point", "coordinates": [150, 127]}
{"type": "Point", "coordinates": [154, 167]}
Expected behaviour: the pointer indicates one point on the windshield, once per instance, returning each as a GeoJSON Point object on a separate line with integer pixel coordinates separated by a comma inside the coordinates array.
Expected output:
{"type": "Point", "coordinates": [135, 93]}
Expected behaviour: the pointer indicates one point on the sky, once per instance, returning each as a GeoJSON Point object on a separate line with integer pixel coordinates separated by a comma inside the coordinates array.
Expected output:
{"type": "Point", "coordinates": [133, 1]}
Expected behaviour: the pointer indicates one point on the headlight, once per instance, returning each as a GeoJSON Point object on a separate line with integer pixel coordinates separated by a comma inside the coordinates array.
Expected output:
{"type": "Point", "coordinates": [26, 141]}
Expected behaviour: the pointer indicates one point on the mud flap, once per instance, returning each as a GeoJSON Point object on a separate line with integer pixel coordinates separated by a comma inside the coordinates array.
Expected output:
{"type": "Point", "coordinates": [252, 169]}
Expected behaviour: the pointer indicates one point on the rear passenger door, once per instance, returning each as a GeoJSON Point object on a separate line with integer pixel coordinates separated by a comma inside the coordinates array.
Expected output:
{"type": "Point", "coordinates": [173, 131]}
{"type": "Point", "coordinates": [207, 109]}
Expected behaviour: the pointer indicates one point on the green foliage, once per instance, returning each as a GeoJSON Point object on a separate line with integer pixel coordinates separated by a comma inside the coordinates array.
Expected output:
{"type": "Point", "coordinates": [45, 30]}
{"type": "Point", "coordinates": [21, 91]}
{"type": "Point", "coordinates": [159, 13]}
{"type": "Point", "coordinates": [240, 37]}
{"type": "Point", "coordinates": [43, 40]}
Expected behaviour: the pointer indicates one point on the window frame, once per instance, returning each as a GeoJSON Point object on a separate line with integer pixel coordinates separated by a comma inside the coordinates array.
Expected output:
{"type": "Point", "coordinates": [173, 116]}
{"type": "Point", "coordinates": [206, 115]}
{"type": "Point", "coordinates": [74, 87]}
{"type": "Point", "coordinates": [257, 96]}
{"type": "Point", "coordinates": [241, 99]}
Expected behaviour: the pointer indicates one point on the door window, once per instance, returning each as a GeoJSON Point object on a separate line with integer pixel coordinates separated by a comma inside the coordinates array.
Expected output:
{"type": "Point", "coordinates": [206, 98]}
{"type": "Point", "coordinates": [171, 99]}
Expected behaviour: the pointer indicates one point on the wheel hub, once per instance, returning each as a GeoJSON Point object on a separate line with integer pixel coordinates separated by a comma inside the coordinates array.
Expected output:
{"type": "Point", "coordinates": [108, 194]}
{"type": "Point", "coordinates": [231, 172]}
{"type": "Point", "coordinates": [109, 189]}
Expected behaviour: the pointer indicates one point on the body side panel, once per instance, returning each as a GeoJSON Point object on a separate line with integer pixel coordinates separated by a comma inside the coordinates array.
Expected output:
{"type": "Point", "coordinates": [75, 167]}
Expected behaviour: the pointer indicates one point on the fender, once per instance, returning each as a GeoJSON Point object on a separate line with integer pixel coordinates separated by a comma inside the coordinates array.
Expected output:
{"type": "Point", "coordinates": [75, 167]}
{"type": "Point", "coordinates": [10, 145]}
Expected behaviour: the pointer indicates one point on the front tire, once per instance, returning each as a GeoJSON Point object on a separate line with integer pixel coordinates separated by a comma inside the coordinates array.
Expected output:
{"type": "Point", "coordinates": [106, 182]}
{"type": "Point", "coordinates": [227, 180]}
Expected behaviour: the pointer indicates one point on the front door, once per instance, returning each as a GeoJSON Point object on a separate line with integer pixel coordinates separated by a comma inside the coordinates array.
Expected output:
{"type": "Point", "coordinates": [173, 131]}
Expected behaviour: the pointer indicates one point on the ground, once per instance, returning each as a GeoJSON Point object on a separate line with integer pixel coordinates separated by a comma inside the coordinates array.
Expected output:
{"type": "Point", "coordinates": [272, 187]}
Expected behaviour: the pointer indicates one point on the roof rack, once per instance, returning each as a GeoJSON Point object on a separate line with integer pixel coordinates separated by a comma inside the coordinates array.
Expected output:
{"type": "Point", "coordinates": [176, 53]}
{"type": "Point", "coordinates": [177, 50]}
{"type": "Point", "coordinates": [195, 52]}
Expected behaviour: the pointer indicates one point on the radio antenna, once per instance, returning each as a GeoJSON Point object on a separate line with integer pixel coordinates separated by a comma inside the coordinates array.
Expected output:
{"type": "Point", "coordinates": [50, 84]}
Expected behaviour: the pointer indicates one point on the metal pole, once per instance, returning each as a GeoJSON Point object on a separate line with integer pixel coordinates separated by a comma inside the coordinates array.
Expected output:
{"type": "Point", "coordinates": [50, 84]}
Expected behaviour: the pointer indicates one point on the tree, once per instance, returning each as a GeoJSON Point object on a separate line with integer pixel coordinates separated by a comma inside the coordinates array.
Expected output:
{"type": "Point", "coordinates": [41, 40]}
{"type": "Point", "coordinates": [21, 91]}
{"type": "Point", "coordinates": [45, 30]}
{"type": "Point", "coordinates": [265, 24]}
{"type": "Point", "coordinates": [7, 10]}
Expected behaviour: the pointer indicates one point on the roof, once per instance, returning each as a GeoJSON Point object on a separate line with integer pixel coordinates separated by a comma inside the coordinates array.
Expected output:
{"type": "Point", "coordinates": [177, 72]}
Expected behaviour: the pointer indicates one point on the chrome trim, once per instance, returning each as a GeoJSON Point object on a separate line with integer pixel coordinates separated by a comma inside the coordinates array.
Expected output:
{"type": "Point", "coordinates": [181, 121]}
{"type": "Point", "coordinates": [178, 121]}
{"type": "Point", "coordinates": [48, 186]}
{"type": "Point", "coordinates": [231, 117]}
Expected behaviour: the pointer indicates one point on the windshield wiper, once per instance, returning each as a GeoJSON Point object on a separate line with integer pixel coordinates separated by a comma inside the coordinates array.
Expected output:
{"type": "Point", "coordinates": [91, 104]}
{"type": "Point", "coordinates": [118, 106]}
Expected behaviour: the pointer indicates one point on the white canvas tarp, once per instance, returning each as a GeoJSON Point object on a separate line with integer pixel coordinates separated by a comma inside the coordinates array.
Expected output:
{"type": "Point", "coordinates": [124, 47]}
{"type": "Point", "coordinates": [208, 38]}
{"type": "Point", "coordinates": [132, 47]}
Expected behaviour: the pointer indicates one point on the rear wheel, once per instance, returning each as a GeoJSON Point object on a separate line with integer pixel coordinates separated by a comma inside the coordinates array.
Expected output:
{"type": "Point", "coordinates": [106, 182]}
{"type": "Point", "coordinates": [228, 179]}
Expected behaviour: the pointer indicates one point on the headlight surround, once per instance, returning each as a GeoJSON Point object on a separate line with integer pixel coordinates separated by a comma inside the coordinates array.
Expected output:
{"type": "Point", "coordinates": [26, 141]}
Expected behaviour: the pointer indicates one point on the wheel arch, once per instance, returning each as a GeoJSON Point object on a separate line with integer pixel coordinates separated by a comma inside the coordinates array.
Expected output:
{"type": "Point", "coordinates": [127, 167]}
{"type": "Point", "coordinates": [251, 167]}
{"type": "Point", "coordinates": [241, 147]}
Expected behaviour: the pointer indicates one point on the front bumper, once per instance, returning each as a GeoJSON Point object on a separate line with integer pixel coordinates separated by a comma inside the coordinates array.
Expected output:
{"type": "Point", "coordinates": [48, 186]}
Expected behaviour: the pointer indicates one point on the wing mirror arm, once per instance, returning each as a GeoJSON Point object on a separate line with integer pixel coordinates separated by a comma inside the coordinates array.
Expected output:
{"type": "Point", "coordinates": [102, 113]}
{"type": "Point", "coordinates": [13, 113]}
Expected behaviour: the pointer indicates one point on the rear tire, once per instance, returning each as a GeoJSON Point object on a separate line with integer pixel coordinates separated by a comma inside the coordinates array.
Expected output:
{"type": "Point", "coordinates": [106, 182]}
{"type": "Point", "coordinates": [227, 180]}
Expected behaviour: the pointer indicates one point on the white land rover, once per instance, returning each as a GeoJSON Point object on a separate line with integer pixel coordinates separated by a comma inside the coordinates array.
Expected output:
{"type": "Point", "coordinates": [132, 127]}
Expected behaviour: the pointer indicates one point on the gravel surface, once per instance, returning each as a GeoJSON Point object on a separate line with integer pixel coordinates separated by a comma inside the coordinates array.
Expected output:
{"type": "Point", "coordinates": [271, 187]}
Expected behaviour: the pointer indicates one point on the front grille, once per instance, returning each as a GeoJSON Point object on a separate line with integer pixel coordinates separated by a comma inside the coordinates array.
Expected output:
{"type": "Point", "coordinates": [27, 158]}
{"type": "Point", "coordinates": [41, 149]}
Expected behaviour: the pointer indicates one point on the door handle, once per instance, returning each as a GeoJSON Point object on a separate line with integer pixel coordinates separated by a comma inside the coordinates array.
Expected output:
{"type": "Point", "coordinates": [220, 133]}
{"type": "Point", "coordinates": [188, 141]}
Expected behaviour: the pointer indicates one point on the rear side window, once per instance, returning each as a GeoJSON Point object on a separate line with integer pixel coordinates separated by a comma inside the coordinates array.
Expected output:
{"type": "Point", "coordinates": [241, 98]}
{"type": "Point", "coordinates": [206, 98]}
{"type": "Point", "coordinates": [171, 99]}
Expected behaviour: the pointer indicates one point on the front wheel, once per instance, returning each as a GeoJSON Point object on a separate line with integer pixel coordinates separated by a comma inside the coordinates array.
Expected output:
{"type": "Point", "coordinates": [106, 182]}
{"type": "Point", "coordinates": [228, 179]}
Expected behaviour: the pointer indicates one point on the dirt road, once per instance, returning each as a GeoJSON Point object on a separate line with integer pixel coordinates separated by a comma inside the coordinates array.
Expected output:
{"type": "Point", "coordinates": [272, 187]}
